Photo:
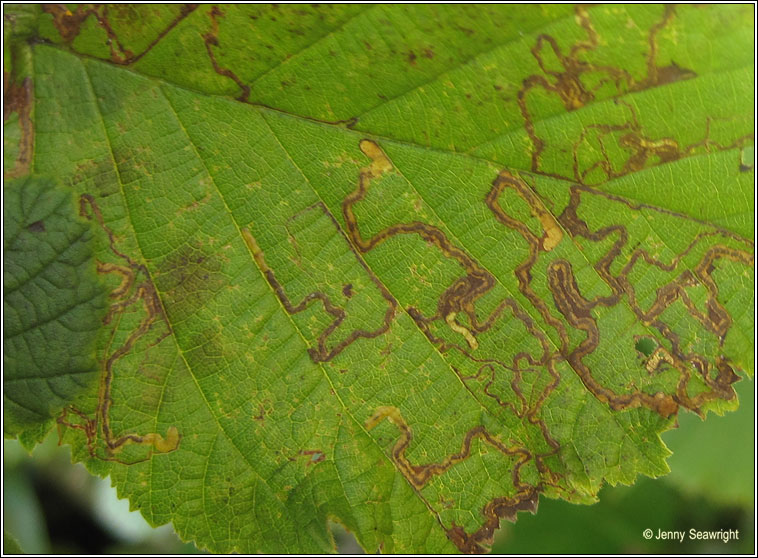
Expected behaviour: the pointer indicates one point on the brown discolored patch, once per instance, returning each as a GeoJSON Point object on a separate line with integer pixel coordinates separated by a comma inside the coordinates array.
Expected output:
{"type": "Point", "coordinates": [661, 75]}
{"type": "Point", "coordinates": [667, 74]}
{"type": "Point", "coordinates": [347, 290]}
{"type": "Point", "coordinates": [314, 456]}
{"type": "Point", "coordinates": [194, 205]}
{"type": "Point", "coordinates": [209, 354]}
{"type": "Point", "coordinates": [68, 23]}
{"type": "Point", "coordinates": [19, 98]}
{"type": "Point", "coordinates": [100, 175]}
{"type": "Point", "coordinates": [37, 226]}
{"type": "Point", "coordinates": [189, 277]}
{"type": "Point", "coordinates": [261, 416]}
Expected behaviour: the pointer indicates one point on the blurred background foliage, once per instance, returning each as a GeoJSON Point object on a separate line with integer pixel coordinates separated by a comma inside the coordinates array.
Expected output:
{"type": "Point", "coordinates": [52, 506]}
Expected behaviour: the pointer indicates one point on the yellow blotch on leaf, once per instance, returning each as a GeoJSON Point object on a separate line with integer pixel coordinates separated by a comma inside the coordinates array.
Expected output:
{"type": "Point", "coordinates": [161, 444]}
{"type": "Point", "coordinates": [458, 328]}
{"type": "Point", "coordinates": [390, 413]}
{"type": "Point", "coordinates": [380, 163]}
{"type": "Point", "coordinates": [553, 233]}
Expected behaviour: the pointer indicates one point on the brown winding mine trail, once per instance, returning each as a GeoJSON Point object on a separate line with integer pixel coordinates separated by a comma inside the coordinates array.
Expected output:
{"type": "Point", "coordinates": [322, 352]}
{"type": "Point", "coordinates": [524, 499]}
{"type": "Point", "coordinates": [69, 24]}
{"type": "Point", "coordinates": [716, 320]}
{"type": "Point", "coordinates": [135, 288]}
{"type": "Point", "coordinates": [460, 297]}
{"type": "Point", "coordinates": [566, 310]}
{"type": "Point", "coordinates": [573, 310]}
{"type": "Point", "coordinates": [567, 84]}
{"type": "Point", "coordinates": [571, 306]}
{"type": "Point", "coordinates": [211, 40]}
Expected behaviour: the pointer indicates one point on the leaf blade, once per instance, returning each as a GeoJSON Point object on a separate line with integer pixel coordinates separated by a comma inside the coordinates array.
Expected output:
{"type": "Point", "coordinates": [52, 304]}
{"type": "Point", "coordinates": [189, 188]}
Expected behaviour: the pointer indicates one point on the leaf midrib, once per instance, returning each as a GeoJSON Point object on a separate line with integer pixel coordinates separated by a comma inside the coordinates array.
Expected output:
{"type": "Point", "coordinates": [472, 59]}
{"type": "Point", "coordinates": [436, 349]}
{"type": "Point", "coordinates": [162, 83]}
{"type": "Point", "coordinates": [320, 365]}
{"type": "Point", "coordinates": [331, 125]}
{"type": "Point", "coordinates": [180, 351]}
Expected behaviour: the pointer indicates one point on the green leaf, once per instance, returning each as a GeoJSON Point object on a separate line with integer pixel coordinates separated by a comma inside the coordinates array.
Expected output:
{"type": "Point", "coordinates": [407, 268]}
{"type": "Point", "coordinates": [52, 305]}
{"type": "Point", "coordinates": [10, 544]}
